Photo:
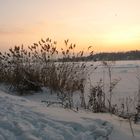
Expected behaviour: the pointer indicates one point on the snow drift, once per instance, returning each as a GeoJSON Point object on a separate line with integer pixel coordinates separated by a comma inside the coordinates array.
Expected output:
{"type": "Point", "coordinates": [20, 121]}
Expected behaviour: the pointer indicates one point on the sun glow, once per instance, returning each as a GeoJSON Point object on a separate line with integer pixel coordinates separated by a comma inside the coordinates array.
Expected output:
{"type": "Point", "coordinates": [121, 37]}
{"type": "Point", "coordinates": [107, 25]}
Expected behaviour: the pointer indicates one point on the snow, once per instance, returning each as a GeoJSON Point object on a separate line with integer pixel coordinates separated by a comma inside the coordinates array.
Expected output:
{"type": "Point", "coordinates": [127, 72]}
{"type": "Point", "coordinates": [26, 118]}
{"type": "Point", "coordinates": [22, 119]}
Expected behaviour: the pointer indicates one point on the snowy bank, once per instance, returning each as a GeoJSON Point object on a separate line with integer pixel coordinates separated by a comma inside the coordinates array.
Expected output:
{"type": "Point", "coordinates": [21, 119]}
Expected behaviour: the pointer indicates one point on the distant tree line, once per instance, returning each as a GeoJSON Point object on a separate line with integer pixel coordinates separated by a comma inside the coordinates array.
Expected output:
{"type": "Point", "coordinates": [114, 56]}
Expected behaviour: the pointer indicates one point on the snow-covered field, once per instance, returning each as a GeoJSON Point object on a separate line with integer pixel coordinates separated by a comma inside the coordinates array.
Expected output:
{"type": "Point", "coordinates": [127, 72]}
{"type": "Point", "coordinates": [26, 118]}
{"type": "Point", "coordinates": [23, 119]}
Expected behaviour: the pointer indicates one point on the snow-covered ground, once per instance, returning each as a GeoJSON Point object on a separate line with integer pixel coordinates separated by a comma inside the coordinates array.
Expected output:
{"type": "Point", "coordinates": [25, 119]}
{"type": "Point", "coordinates": [127, 72]}
{"type": "Point", "coordinates": [128, 86]}
{"type": "Point", "coordinates": [21, 119]}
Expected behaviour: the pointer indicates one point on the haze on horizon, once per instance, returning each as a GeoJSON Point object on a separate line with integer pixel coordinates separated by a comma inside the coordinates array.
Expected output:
{"type": "Point", "coordinates": [107, 25]}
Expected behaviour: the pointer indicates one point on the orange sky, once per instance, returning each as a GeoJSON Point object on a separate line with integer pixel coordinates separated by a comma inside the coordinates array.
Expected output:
{"type": "Point", "coordinates": [108, 25]}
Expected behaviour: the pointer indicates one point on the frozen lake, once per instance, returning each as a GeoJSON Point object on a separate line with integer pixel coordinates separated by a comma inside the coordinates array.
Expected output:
{"type": "Point", "coordinates": [127, 72]}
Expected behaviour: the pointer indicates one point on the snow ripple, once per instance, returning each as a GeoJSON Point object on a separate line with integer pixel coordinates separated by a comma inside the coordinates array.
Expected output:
{"type": "Point", "coordinates": [19, 122]}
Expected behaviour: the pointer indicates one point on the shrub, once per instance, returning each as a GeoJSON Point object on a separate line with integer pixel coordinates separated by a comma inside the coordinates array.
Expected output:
{"type": "Point", "coordinates": [42, 65]}
{"type": "Point", "coordinates": [96, 98]}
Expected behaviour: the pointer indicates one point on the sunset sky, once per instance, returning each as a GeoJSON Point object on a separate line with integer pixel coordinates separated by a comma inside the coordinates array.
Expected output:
{"type": "Point", "coordinates": [108, 25]}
